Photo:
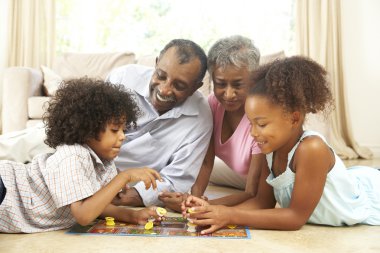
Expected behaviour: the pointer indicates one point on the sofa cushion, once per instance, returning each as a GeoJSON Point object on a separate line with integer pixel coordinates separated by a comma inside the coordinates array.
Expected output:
{"type": "Point", "coordinates": [37, 106]}
{"type": "Point", "coordinates": [51, 81]}
{"type": "Point", "coordinates": [75, 65]}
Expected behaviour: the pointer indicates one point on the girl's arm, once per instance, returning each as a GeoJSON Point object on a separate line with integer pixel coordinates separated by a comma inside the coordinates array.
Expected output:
{"type": "Point", "coordinates": [257, 163]}
{"type": "Point", "coordinates": [85, 211]}
{"type": "Point", "coordinates": [312, 161]}
{"type": "Point", "coordinates": [203, 178]}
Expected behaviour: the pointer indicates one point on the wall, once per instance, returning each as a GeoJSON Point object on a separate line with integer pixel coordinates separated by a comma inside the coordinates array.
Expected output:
{"type": "Point", "coordinates": [361, 63]}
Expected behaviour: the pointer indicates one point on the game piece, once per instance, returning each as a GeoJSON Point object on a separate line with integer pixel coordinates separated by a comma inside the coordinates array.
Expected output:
{"type": "Point", "coordinates": [231, 226]}
{"type": "Point", "coordinates": [110, 221]}
{"type": "Point", "coordinates": [161, 211]}
{"type": "Point", "coordinates": [190, 210]}
{"type": "Point", "coordinates": [191, 227]}
{"type": "Point", "coordinates": [149, 225]}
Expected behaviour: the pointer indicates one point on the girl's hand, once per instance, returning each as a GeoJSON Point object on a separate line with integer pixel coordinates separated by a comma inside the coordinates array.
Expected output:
{"type": "Point", "coordinates": [173, 200]}
{"type": "Point", "coordinates": [147, 175]}
{"type": "Point", "coordinates": [141, 216]}
{"type": "Point", "coordinates": [215, 216]}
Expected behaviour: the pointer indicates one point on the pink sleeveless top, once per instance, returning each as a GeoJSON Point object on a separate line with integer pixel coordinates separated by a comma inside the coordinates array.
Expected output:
{"type": "Point", "coordinates": [237, 151]}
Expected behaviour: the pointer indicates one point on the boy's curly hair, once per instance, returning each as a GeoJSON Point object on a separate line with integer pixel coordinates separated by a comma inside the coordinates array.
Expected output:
{"type": "Point", "coordinates": [81, 109]}
{"type": "Point", "coordinates": [295, 83]}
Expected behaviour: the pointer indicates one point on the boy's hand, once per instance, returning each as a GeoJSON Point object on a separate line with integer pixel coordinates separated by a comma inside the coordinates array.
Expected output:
{"type": "Point", "coordinates": [141, 216]}
{"type": "Point", "coordinates": [147, 175]}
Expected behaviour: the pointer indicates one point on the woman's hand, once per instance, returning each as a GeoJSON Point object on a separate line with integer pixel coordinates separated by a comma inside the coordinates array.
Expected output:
{"type": "Point", "coordinates": [173, 200]}
{"type": "Point", "coordinates": [190, 202]}
{"type": "Point", "coordinates": [147, 175]}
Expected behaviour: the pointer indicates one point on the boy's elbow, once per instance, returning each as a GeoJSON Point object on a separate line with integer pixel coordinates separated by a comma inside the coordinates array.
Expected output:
{"type": "Point", "coordinates": [83, 221]}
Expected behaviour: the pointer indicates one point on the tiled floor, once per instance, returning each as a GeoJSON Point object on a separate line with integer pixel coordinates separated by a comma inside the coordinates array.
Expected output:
{"type": "Point", "coordinates": [310, 238]}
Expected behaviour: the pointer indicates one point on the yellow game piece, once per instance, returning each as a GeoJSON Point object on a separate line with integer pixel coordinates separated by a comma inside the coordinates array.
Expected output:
{"type": "Point", "coordinates": [190, 210]}
{"type": "Point", "coordinates": [161, 211]}
{"type": "Point", "coordinates": [231, 226]}
{"type": "Point", "coordinates": [191, 227]}
{"type": "Point", "coordinates": [110, 221]}
{"type": "Point", "coordinates": [148, 225]}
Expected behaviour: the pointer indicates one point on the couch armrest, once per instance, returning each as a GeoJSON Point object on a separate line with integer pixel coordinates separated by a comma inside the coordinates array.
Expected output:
{"type": "Point", "coordinates": [19, 83]}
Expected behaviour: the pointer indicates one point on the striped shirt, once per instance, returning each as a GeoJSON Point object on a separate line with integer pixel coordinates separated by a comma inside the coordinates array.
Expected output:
{"type": "Point", "coordinates": [39, 194]}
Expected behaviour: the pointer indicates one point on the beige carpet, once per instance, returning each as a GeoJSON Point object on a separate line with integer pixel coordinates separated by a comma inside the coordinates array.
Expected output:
{"type": "Point", "coordinates": [309, 239]}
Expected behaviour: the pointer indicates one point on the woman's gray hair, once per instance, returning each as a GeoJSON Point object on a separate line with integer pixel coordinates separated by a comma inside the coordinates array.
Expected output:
{"type": "Point", "coordinates": [236, 50]}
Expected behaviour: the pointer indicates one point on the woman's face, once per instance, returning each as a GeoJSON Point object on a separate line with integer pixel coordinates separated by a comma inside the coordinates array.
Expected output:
{"type": "Point", "coordinates": [231, 86]}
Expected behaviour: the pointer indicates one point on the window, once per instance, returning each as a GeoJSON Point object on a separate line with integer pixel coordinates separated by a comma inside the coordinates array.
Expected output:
{"type": "Point", "coordinates": [144, 27]}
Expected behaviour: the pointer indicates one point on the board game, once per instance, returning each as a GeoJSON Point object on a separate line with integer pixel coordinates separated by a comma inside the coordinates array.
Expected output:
{"type": "Point", "coordinates": [171, 226]}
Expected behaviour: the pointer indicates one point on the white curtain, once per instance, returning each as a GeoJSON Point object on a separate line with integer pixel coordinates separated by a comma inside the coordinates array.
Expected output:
{"type": "Point", "coordinates": [27, 29]}
{"type": "Point", "coordinates": [31, 33]}
{"type": "Point", "coordinates": [318, 36]}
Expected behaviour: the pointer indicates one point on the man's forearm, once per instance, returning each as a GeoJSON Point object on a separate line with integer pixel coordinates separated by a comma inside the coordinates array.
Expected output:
{"type": "Point", "coordinates": [129, 198]}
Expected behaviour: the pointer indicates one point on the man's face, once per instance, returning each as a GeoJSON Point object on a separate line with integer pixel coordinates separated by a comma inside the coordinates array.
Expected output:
{"type": "Point", "coordinates": [172, 83]}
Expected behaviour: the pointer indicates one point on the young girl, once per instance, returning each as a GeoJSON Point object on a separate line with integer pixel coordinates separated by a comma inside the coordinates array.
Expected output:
{"type": "Point", "coordinates": [85, 123]}
{"type": "Point", "coordinates": [305, 176]}
{"type": "Point", "coordinates": [231, 62]}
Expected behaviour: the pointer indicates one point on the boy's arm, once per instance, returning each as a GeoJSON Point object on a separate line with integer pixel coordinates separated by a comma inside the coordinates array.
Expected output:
{"type": "Point", "coordinates": [128, 215]}
{"type": "Point", "coordinates": [85, 211]}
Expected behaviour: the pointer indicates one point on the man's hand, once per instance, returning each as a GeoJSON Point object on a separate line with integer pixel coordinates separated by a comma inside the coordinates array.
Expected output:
{"type": "Point", "coordinates": [128, 197]}
{"type": "Point", "coordinates": [147, 175]}
{"type": "Point", "coordinates": [173, 200]}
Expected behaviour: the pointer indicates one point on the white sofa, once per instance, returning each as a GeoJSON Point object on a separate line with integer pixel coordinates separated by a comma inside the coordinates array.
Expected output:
{"type": "Point", "coordinates": [23, 92]}
{"type": "Point", "coordinates": [24, 95]}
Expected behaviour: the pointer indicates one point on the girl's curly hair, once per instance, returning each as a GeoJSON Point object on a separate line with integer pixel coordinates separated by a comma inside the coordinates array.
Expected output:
{"type": "Point", "coordinates": [81, 109]}
{"type": "Point", "coordinates": [295, 83]}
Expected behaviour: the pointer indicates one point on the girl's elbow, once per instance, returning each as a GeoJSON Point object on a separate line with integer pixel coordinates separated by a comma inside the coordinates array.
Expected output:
{"type": "Point", "coordinates": [297, 224]}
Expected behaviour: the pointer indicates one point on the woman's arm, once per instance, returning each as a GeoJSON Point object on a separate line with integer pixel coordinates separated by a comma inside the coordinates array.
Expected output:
{"type": "Point", "coordinates": [257, 163]}
{"type": "Point", "coordinates": [203, 178]}
{"type": "Point", "coordinates": [85, 211]}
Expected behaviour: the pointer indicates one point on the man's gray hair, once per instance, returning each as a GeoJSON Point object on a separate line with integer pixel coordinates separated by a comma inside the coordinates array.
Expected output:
{"type": "Point", "coordinates": [237, 50]}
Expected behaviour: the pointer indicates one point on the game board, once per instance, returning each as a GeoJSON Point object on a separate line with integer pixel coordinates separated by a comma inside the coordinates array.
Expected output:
{"type": "Point", "coordinates": [172, 226]}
